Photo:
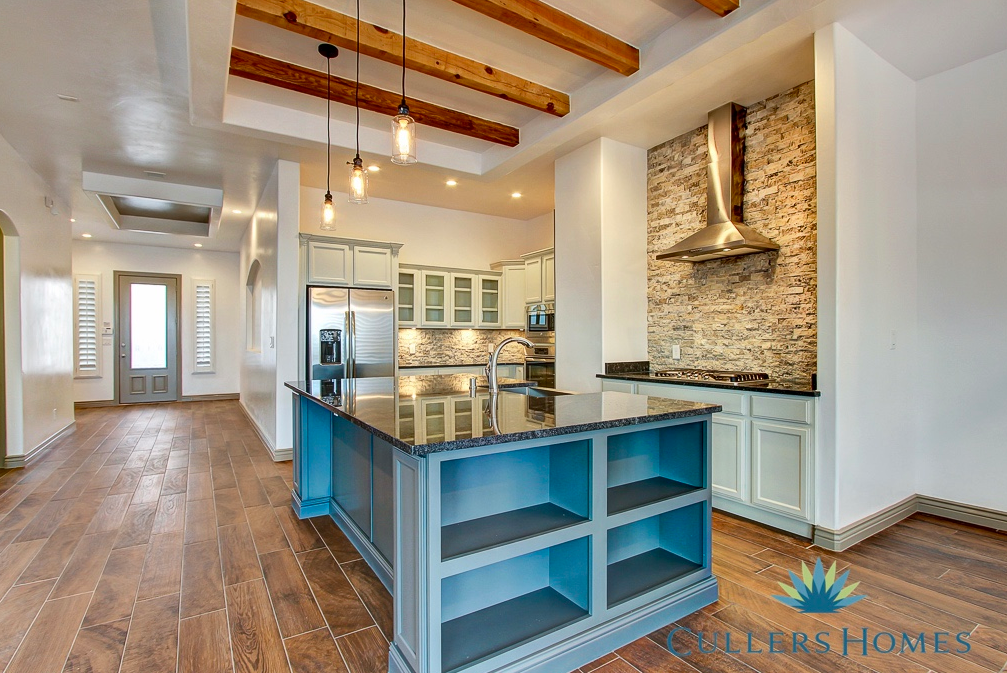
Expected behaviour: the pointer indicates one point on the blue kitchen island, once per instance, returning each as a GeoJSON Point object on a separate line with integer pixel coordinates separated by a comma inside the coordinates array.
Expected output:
{"type": "Point", "coordinates": [521, 531]}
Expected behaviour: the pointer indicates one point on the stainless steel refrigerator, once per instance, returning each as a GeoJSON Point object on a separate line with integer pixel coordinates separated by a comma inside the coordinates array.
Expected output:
{"type": "Point", "coordinates": [351, 333]}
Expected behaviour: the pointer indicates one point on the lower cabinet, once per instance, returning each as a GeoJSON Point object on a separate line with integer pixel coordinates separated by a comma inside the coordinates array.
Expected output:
{"type": "Point", "coordinates": [763, 451]}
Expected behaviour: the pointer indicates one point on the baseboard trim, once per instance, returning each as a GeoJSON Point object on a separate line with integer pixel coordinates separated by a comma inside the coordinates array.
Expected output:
{"type": "Point", "coordinates": [844, 538]}
{"type": "Point", "coordinates": [771, 519]}
{"type": "Point", "coordinates": [278, 455]}
{"type": "Point", "coordinates": [956, 511]}
{"type": "Point", "coordinates": [11, 462]}
{"type": "Point", "coordinates": [215, 397]}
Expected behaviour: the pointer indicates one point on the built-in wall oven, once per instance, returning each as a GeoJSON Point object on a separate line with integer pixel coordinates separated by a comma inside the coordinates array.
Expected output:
{"type": "Point", "coordinates": [540, 365]}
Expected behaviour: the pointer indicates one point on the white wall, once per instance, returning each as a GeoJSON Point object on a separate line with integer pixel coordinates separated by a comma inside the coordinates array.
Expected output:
{"type": "Point", "coordinates": [601, 261]}
{"type": "Point", "coordinates": [221, 267]}
{"type": "Point", "coordinates": [271, 240]}
{"type": "Point", "coordinates": [38, 304]}
{"type": "Point", "coordinates": [866, 112]}
{"type": "Point", "coordinates": [433, 236]}
{"type": "Point", "coordinates": [962, 277]}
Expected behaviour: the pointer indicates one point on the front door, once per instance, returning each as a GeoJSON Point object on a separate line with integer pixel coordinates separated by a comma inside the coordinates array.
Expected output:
{"type": "Point", "coordinates": [148, 338]}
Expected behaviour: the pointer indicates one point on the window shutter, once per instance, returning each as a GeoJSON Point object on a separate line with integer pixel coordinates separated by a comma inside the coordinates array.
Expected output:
{"type": "Point", "coordinates": [87, 291]}
{"type": "Point", "coordinates": [204, 325]}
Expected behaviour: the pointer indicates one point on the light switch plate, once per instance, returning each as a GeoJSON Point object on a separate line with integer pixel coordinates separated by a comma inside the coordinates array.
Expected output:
{"type": "Point", "coordinates": [676, 352]}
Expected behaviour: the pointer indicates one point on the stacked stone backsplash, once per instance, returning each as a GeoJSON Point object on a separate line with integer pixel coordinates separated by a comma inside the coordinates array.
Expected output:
{"type": "Point", "coordinates": [756, 312]}
{"type": "Point", "coordinates": [443, 347]}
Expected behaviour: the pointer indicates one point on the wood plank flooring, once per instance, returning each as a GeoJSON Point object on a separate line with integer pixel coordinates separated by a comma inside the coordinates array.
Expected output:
{"type": "Point", "coordinates": [160, 538]}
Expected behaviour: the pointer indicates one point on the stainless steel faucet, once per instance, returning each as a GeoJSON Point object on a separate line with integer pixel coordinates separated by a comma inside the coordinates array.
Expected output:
{"type": "Point", "coordinates": [491, 368]}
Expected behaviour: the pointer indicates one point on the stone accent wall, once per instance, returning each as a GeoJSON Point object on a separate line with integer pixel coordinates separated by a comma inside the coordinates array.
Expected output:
{"type": "Point", "coordinates": [442, 347]}
{"type": "Point", "coordinates": [753, 313]}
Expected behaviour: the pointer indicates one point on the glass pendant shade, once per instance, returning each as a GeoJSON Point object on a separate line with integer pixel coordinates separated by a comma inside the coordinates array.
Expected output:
{"type": "Point", "coordinates": [403, 138]}
{"type": "Point", "coordinates": [328, 213]}
{"type": "Point", "coordinates": [358, 182]}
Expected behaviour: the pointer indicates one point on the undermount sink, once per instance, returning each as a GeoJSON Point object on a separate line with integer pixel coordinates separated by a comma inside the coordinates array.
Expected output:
{"type": "Point", "coordinates": [535, 392]}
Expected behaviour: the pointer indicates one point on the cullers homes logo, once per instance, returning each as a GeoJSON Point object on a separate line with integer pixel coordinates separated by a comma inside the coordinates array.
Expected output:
{"type": "Point", "coordinates": [820, 592]}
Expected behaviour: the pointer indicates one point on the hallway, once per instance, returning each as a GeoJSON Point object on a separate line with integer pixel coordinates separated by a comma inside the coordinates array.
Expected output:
{"type": "Point", "coordinates": [161, 538]}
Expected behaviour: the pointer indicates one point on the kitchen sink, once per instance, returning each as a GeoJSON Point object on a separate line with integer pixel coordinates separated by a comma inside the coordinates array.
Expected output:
{"type": "Point", "coordinates": [535, 392]}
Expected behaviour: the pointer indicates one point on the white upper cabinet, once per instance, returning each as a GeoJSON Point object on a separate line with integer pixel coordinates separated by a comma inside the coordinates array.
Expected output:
{"type": "Point", "coordinates": [549, 277]}
{"type": "Point", "coordinates": [533, 280]}
{"type": "Point", "coordinates": [539, 276]}
{"type": "Point", "coordinates": [490, 291]}
{"type": "Point", "coordinates": [463, 299]}
{"type": "Point", "coordinates": [372, 267]}
{"type": "Point", "coordinates": [435, 306]}
{"type": "Point", "coordinates": [329, 263]}
{"type": "Point", "coordinates": [348, 262]}
{"type": "Point", "coordinates": [407, 298]}
{"type": "Point", "coordinates": [512, 304]}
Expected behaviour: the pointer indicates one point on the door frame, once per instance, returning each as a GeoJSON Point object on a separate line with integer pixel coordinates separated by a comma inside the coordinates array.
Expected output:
{"type": "Point", "coordinates": [178, 321]}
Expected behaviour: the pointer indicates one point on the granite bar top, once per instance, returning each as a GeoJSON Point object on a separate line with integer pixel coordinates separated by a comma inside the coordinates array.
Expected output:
{"type": "Point", "coordinates": [783, 387]}
{"type": "Point", "coordinates": [395, 408]}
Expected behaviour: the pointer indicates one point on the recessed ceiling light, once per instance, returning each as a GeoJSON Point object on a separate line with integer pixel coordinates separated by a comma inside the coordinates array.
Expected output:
{"type": "Point", "coordinates": [67, 97]}
{"type": "Point", "coordinates": [451, 183]}
{"type": "Point", "coordinates": [72, 220]}
{"type": "Point", "coordinates": [236, 211]}
{"type": "Point", "coordinates": [198, 245]}
{"type": "Point", "coordinates": [374, 169]}
{"type": "Point", "coordinates": [86, 235]}
{"type": "Point", "coordinates": [516, 195]}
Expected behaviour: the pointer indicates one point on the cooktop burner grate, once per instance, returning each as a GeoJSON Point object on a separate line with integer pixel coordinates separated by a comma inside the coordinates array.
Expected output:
{"type": "Point", "coordinates": [712, 375]}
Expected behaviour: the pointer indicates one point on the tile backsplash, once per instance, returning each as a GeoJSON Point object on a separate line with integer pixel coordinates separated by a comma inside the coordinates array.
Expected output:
{"type": "Point", "coordinates": [442, 347]}
{"type": "Point", "coordinates": [757, 312]}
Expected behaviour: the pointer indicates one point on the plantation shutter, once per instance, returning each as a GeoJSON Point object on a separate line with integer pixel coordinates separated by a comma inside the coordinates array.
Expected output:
{"type": "Point", "coordinates": [87, 290]}
{"type": "Point", "coordinates": [204, 325]}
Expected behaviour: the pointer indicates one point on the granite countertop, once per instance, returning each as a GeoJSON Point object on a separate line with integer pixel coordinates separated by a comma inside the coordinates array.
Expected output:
{"type": "Point", "coordinates": [471, 364]}
{"type": "Point", "coordinates": [385, 407]}
{"type": "Point", "coordinates": [784, 387]}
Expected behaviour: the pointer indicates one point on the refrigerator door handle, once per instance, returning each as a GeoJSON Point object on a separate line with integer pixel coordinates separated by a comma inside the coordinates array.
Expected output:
{"type": "Point", "coordinates": [351, 331]}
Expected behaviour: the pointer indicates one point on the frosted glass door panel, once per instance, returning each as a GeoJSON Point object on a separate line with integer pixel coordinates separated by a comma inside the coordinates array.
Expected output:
{"type": "Point", "coordinates": [148, 326]}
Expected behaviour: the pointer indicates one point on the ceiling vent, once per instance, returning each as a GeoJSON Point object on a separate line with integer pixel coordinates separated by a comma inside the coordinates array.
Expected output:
{"type": "Point", "coordinates": [156, 207]}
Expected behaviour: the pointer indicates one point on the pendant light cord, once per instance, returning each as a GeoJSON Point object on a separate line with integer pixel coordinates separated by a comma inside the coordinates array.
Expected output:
{"type": "Point", "coordinates": [328, 123]}
{"type": "Point", "coordinates": [356, 93]}
{"type": "Point", "coordinates": [403, 53]}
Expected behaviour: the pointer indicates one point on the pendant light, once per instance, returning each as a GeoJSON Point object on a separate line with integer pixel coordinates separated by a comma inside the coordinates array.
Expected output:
{"type": "Point", "coordinates": [358, 174]}
{"type": "Point", "coordinates": [403, 125]}
{"type": "Point", "coordinates": [329, 51]}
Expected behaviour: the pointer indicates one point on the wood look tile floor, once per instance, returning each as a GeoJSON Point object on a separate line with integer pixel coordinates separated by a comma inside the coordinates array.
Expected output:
{"type": "Point", "coordinates": [160, 538]}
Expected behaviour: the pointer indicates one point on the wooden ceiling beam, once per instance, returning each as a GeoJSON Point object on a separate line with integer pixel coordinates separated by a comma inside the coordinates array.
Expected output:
{"type": "Point", "coordinates": [259, 68]}
{"type": "Point", "coordinates": [720, 7]}
{"type": "Point", "coordinates": [550, 24]}
{"type": "Point", "coordinates": [328, 25]}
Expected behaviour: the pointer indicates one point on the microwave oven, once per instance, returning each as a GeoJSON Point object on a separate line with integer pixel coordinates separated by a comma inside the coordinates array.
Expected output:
{"type": "Point", "coordinates": [541, 318]}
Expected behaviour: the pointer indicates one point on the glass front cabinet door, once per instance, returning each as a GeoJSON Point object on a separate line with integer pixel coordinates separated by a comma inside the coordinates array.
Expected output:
{"type": "Point", "coordinates": [408, 314]}
{"type": "Point", "coordinates": [463, 292]}
{"type": "Point", "coordinates": [489, 301]}
{"type": "Point", "coordinates": [435, 299]}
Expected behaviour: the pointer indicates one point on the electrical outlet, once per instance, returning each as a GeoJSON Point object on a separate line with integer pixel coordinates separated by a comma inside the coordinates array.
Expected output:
{"type": "Point", "coordinates": [412, 349]}
{"type": "Point", "coordinates": [272, 342]}
{"type": "Point", "coordinates": [676, 352]}
{"type": "Point", "coordinates": [891, 341]}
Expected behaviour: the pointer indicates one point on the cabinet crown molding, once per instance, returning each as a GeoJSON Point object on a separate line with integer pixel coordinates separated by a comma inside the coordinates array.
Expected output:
{"type": "Point", "coordinates": [316, 238]}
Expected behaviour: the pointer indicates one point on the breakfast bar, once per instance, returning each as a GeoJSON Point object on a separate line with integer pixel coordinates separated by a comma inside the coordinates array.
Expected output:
{"type": "Point", "coordinates": [525, 530]}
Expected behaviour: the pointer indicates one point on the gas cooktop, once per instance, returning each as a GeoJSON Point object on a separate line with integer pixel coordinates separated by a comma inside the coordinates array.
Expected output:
{"type": "Point", "coordinates": [712, 375]}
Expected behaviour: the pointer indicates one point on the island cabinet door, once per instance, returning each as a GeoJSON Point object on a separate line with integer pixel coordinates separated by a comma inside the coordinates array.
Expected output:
{"type": "Point", "coordinates": [351, 472]}
{"type": "Point", "coordinates": [383, 497]}
{"type": "Point", "coordinates": [730, 457]}
{"type": "Point", "coordinates": [781, 468]}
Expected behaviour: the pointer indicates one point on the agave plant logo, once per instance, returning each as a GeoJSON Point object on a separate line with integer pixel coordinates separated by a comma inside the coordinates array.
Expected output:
{"type": "Point", "coordinates": [819, 592]}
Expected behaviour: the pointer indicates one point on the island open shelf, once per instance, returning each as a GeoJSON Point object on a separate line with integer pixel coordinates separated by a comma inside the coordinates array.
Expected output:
{"type": "Point", "coordinates": [657, 464]}
{"type": "Point", "coordinates": [499, 606]}
{"type": "Point", "coordinates": [656, 551]}
{"type": "Point", "coordinates": [498, 498]}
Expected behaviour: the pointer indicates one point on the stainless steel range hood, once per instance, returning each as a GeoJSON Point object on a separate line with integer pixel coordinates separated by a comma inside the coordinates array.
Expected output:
{"type": "Point", "coordinates": [724, 234]}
